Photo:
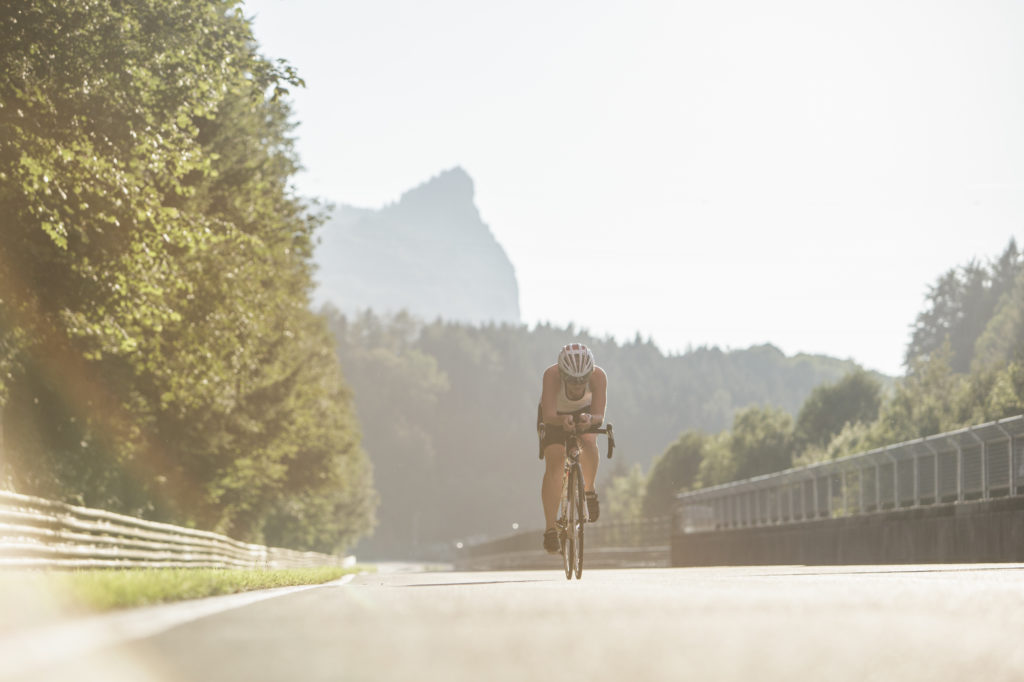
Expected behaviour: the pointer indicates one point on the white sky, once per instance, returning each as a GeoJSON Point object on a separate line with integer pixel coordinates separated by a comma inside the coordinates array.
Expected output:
{"type": "Point", "coordinates": [722, 172]}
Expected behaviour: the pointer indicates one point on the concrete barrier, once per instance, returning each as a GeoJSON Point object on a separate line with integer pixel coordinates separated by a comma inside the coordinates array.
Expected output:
{"type": "Point", "coordinates": [987, 531]}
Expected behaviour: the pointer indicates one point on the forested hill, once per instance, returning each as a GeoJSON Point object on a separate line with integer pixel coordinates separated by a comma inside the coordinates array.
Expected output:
{"type": "Point", "coordinates": [429, 253]}
{"type": "Point", "coordinates": [448, 413]}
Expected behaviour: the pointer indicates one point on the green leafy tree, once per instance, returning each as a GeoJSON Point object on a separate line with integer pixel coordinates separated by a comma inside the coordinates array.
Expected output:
{"type": "Point", "coordinates": [1002, 342]}
{"type": "Point", "coordinates": [854, 398]}
{"type": "Point", "coordinates": [761, 441]}
{"type": "Point", "coordinates": [624, 496]}
{"type": "Point", "coordinates": [719, 464]}
{"type": "Point", "coordinates": [959, 307]}
{"type": "Point", "coordinates": [155, 338]}
{"type": "Point", "coordinates": [924, 403]}
{"type": "Point", "coordinates": [675, 470]}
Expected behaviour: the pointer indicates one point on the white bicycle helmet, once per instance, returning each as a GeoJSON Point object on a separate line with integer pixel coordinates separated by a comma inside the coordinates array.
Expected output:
{"type": "Point", "coordinates": [575, 362]}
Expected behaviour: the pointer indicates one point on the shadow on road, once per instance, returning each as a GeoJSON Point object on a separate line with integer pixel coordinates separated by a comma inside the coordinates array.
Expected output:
{"type": "Point", "coordinates": [476, 582]}
{"type": "Point", "coordinates": [935, 568]}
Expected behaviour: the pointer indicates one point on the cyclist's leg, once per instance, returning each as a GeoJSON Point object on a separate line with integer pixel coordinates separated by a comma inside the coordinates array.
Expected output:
{"type": "Point", "coordinates": [589, 459]}
{"type": "Point", "coordinates": [551, 488]}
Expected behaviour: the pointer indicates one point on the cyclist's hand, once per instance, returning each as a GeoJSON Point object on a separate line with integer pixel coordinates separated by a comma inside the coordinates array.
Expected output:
{"type": "Point", "coordinates": [583, 422]}
{"type": "Point", "coordinates": [567, 423]}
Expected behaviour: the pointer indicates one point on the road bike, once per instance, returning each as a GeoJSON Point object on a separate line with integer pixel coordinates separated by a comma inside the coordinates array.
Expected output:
{"type": "Point", "coordinates": [572, 509]}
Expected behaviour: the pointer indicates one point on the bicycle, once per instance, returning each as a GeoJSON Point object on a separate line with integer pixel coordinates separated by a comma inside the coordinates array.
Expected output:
{"type": "Point", "coordinates": [572, 509]}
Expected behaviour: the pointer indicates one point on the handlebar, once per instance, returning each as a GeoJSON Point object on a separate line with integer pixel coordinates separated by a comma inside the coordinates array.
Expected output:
{"type": "Point", "coordinates": [607, 430]}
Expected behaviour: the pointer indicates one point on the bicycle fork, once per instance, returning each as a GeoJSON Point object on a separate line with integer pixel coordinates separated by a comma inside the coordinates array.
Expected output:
{"type": "Point", "coordinates": [571, 468]}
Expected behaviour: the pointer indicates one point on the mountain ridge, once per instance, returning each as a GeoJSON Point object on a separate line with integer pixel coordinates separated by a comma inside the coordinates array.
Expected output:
{"type": "Point", "coordinates": [428, 253]}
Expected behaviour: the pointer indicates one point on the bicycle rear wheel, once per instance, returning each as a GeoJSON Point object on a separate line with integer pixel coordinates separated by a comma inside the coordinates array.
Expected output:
{"type": "Point", "coordinates": [578, 526]}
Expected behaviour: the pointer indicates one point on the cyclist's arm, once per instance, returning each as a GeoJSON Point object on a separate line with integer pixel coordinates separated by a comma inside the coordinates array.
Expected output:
{"type": "Point", "coordinates": [552, 383]}
{"type": "Point", "coordinates": [599, 393]}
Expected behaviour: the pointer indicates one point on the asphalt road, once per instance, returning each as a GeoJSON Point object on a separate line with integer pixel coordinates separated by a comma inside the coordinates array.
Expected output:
{"type": "Point", "coordinates": [763, 623]}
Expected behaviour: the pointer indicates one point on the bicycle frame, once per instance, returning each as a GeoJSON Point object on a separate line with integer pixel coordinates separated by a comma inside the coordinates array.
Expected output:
{"type": "Point", "coordinates": [573, 447]}
{"type": "Point", "coordinates": [573, 512]}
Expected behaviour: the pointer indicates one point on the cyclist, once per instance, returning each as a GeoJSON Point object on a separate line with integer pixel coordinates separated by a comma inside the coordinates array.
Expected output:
{"type": "Point", "coordinates": [574, 393]}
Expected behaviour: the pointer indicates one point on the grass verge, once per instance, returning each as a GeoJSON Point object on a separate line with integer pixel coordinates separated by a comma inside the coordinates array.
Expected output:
{"type": "Point", "coordinates": [102, 590]}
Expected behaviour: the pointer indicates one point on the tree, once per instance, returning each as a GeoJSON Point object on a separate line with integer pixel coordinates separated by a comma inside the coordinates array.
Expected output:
{"type": "Point", "coordinates": [624, 496]}
{"type": "Point", "coordinates": [675, 470]}
{"type": "Point", "coordinates": [155, 335]}
{"type": "Point", "coordinates": [959, 307]}
{"type": "Point", "coordinates": [761, 441]}
{"type": "Point", "coordinates": [719, 464]}
{"type": "Point", "coordinates": [926, 402]}
{"type": "Point", "coordinates": [854, 398]}
{"type": "Point", "coordinates": [1002, 341]}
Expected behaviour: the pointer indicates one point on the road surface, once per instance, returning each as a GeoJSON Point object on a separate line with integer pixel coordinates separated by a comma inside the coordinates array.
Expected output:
{"type": "Point", "coordinates": [760, 624]}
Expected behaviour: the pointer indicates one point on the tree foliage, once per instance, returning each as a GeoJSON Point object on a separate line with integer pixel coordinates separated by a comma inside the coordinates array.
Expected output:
{"type": "Point", "coordinates": [624, 496]}
{"type": "Point", "coordinates": [157, 350]}
{"type": "Point", "coordinates": [959, 307]}
{"type": "Point", "coordinates": [674, 471]}
{"type": "Point", "coordinates": [854, 398]}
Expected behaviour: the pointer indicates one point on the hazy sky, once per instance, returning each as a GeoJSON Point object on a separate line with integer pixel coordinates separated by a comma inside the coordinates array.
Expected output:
{"type": "Point", "coordinates": [722, 172]}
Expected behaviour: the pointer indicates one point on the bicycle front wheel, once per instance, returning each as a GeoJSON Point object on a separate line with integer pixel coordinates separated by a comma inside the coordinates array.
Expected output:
{"type": "Point", "coordinates": [569, 535]}
{"type": "Point", "coordinates": [578, 526]}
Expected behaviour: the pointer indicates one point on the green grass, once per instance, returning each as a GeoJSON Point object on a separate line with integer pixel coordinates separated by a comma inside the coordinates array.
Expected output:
{"type": "Point", "coordinates": [102, 590]}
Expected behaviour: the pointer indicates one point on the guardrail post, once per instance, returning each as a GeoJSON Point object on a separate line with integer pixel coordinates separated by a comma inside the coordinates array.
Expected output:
{"type": "Point", "coordinates": [959, 472]}
{"type": "Point", "coordinates": [917, 486]}
{"type": "Point", "coordinates": [817, 506]}
{"type": "Point", "coordinates": [1013, 469]}
{"type": "Point", "coordinates": [860, 484]}
{"type": "Point", "coordinates": [845, 483]}
{"type": "Point", "coordinates": [803, 497]}
{"type": "Point", "coordinates": [1011, 478]}
{"type": "Point", "coordinates": [935, 455]}
{"type": "Point", "coordinates": [878, 487]}
{"type": "Point", "coordinates": [984, 465]}
{"type": "Point", "coordinates": [803, 500]}
{"type": "Point", "coordinates": [895, 480]}
{"type": "Point", "coordinates": [829, 494]}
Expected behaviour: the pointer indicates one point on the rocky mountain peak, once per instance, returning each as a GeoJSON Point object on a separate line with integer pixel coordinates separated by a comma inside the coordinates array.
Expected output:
{"type": "Point", "coordinates": [429, 253]}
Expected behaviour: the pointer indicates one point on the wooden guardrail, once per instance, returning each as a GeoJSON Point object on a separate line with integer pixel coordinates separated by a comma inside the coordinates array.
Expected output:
{"type": "Point", "coordinates": [40, 533]}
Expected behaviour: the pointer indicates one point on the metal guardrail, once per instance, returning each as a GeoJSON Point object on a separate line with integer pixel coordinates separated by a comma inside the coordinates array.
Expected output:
{"type": "Point", "coordinates": [644, 534]}
{"type": "Point", "coordinates": [651, 532]}
{"type": "Point", "coordinates": [40, 533]}
{"type": "Point", "coordinates": [976, 463]}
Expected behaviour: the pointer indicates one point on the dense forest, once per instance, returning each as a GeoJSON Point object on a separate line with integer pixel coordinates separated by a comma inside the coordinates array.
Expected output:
{"type": "Point", "coordinates": [157, 351]}
{"type": "Point", "coordinates": [448, 412]}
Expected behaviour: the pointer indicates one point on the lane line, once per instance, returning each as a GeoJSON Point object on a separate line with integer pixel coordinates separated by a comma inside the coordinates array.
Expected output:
{"type": "Point", "coordinates": [25, 651]}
